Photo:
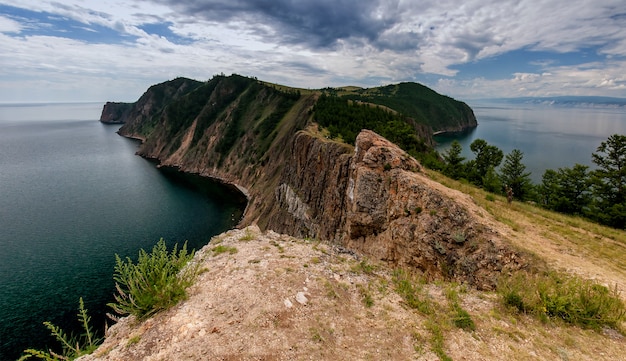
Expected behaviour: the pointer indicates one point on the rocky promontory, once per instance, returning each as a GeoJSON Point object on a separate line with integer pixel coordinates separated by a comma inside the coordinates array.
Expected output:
{"type": "Point", "coordinates": [370, 197]}
{"type": "Point", "coordinates": [315, 269]}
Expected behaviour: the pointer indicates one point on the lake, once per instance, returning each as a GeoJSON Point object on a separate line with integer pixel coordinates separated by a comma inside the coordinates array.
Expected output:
{"type": "Point", "coordinates": [72, 195]}
{"type": "Point", "coordinates": [550, 137]}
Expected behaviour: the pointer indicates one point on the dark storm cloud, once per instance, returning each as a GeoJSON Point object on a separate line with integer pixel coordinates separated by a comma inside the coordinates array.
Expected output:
{"type": "Point", "coordinates": [318, 24]}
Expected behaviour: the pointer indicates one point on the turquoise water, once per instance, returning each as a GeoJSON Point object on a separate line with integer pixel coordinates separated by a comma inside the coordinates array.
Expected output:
{"type": "Point", "coordinates": [551, 137]}
{"type": "Point", "coordinates": [72, 195]}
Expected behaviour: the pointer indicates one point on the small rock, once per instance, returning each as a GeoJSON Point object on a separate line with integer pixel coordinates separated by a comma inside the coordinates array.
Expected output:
{"type": "Point", "coordinates": [301, 298]}
{"type": "Point", "coordinates": [288, 303]}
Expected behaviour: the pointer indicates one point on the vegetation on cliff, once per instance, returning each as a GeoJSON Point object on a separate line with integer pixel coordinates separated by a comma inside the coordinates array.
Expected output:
{"type": "Point", "coordinates": [345, 119]}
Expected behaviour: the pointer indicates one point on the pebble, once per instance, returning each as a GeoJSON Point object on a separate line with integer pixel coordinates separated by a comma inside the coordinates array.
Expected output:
{"type": "Point", "coordinates": [288, 303]}
{"type": "Point", "coordinates": [301, 298]}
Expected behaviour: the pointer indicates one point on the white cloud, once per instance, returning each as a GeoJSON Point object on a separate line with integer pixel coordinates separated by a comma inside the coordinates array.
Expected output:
{"type": "Point", "coordinates": [9, 25]}
{"type": "Point", "coordinates": [377, 42]}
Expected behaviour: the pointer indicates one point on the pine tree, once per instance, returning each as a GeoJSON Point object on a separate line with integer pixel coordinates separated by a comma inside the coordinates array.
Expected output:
{"type": "Point", "coordinates": [609, 182]}
{"type": "Point", "coordinates": [513, 174]}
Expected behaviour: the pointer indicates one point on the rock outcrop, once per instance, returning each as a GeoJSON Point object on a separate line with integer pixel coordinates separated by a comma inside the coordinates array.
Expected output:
{"type": "Point", "coordinates": [375, 200]}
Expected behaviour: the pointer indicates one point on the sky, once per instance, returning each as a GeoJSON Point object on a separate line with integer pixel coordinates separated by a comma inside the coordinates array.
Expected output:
{"type": "Point", "coordinates": [109, 50]}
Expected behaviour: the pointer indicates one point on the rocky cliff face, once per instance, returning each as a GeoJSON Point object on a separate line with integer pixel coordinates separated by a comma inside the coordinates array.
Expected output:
{"type": "Point", "coordinates": [371, 197]}
{"type": "Point", "coordinates": [375, 200]}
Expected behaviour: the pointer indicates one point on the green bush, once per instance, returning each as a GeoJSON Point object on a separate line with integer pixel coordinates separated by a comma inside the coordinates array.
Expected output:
{"type": "Point", "coordinates": [158, 281]}
{"type": "Point", "coordinates": [73, 346]}
{"type": "Point", "coordinates": [559, 296]}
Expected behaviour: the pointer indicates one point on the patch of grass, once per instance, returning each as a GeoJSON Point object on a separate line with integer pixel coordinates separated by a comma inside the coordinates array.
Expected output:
{"type": "Point", "coordinates": [156, 282]}
{"type": "Point", "coordinates": [437, 340]}
{"type": "Point", "coordinates": [462, 319]}
{"type": "Point", "coordinates": [133, 340]}
{"type": "Point", "coordinates": [217, 250]}
{"type": "Point", "coordinates": [363, 267]}
{"type": "Point", "coordinates": [554, 295]}
{"type": "Point", "coordinates": [73, 347]}
{"type": "Point", "coordinates": [316, 335]}
{"type": "Point", "coordinates": [409, 289]}
{"type": "Point", "coordinates": [281, 249]}
{"type": "Point", "coordinates": [330, 290]}
{"type": "Point", "coordinates": [366, 295]}
{"type": "Point", "coordinates": [249, 236]}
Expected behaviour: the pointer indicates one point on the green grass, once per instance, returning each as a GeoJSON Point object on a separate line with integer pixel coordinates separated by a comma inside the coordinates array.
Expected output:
{"type": "Point", "coordinates": [411, 291]}
{"type": "Point", "coordinates": [558, 296]}
{"type": "Point", "coordinates": [219, 249]}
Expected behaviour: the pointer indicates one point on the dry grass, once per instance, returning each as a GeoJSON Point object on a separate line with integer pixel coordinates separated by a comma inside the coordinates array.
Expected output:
{"type": "Point", "coordinates": [567, 242]}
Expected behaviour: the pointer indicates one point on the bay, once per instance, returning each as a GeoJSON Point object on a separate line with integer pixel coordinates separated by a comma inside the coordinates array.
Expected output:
{"type": "Point", "coordinates": [550, 137]}
{"type": "Point", "coordinates": [72, 195]}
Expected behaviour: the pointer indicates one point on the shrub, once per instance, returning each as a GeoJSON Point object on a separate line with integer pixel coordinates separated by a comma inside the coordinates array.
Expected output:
{"type": "Point", "coordinates": [73, 347]}
{"type": "Point", "coordinates": [158, 281]}
{"type": "Point", "coordinates": [559, 296]}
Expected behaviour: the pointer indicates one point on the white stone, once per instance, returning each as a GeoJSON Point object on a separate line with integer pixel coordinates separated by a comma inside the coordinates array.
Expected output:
{"type": "Point", "coordinates": [288, 303]}
{"type": "Point", "coordinates": [301, 298]}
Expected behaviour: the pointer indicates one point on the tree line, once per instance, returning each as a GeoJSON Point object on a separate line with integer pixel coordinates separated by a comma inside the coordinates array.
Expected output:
{"type": "Point", "coordinates": [598, 194]}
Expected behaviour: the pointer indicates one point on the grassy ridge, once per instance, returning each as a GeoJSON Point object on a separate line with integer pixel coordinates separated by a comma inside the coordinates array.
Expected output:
{"type": "Point", "coordinates": [416, 101]}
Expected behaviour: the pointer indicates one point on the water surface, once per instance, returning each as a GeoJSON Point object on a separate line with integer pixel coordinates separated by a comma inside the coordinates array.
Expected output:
{"type": "Point", "coordinates": [72, 195]}
{"type": "Point", "coordinates": [551, 137]}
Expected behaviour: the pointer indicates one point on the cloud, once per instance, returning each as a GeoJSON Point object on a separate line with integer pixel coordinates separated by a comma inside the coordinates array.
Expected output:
{"type": "Point", "coordinates": [465, 49]}
{"type": "Point", "coordinates": [8, 25]}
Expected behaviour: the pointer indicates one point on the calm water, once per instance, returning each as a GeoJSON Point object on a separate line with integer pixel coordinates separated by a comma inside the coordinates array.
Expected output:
{"type": "Point", "coordinates": [550, 137]}
{"type": "Point", "coordinates": [72, 195]}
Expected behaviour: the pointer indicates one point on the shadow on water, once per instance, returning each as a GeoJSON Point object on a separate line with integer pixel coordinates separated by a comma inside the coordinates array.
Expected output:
{"type": "Point", "coordinates": [211, 188]}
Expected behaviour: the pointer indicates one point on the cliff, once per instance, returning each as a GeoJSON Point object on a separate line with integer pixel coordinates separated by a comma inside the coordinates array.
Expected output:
{"type": "Point", "coordinates": [370, 197]}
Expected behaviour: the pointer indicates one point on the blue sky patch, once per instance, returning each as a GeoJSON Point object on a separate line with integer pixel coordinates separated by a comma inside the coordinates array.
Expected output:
{"type": "Point", "coordinates": [523, 61]}
{"type": "Point", "coordinates": [164, 30]}
{"type": "Point", "coordinates": [47, 24]}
